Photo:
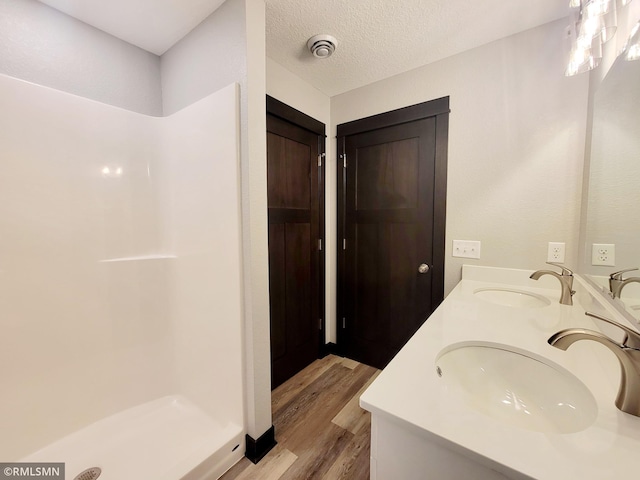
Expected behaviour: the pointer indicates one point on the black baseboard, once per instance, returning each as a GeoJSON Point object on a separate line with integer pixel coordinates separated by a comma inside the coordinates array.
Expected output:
{"type": "Point", "coordinates": [329, 349]}
{"type": "Point", "coordinates": [257, 449]}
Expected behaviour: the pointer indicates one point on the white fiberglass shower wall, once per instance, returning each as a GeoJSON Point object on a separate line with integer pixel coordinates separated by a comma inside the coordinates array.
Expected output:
{"type": "Point", "coordinates": [120, 263]}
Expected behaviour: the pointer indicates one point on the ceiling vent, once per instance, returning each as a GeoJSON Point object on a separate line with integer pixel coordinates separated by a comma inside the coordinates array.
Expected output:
{"type": "Point", "coordinates": [322, 46]}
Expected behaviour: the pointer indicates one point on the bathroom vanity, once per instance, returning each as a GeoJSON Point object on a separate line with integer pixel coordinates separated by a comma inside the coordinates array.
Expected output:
{"type": "Point", "coordinates": [479, 393]}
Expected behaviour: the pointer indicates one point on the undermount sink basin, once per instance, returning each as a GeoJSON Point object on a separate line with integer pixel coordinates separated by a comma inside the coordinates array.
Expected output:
{"type": "Point", "coordinates": [511, 297]}
{"type": "Point", "coordinates": [517, 387]}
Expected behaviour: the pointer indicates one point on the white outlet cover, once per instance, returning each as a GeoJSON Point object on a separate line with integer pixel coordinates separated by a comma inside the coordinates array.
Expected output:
{"type": "Point", "coordinates": [603, 254]}
{"type": "Point", "coordinates": [556, 252]}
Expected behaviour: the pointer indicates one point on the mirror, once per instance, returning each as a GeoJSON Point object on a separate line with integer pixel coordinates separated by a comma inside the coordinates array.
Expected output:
{"type": "Point", "coordinates": [613, 204]}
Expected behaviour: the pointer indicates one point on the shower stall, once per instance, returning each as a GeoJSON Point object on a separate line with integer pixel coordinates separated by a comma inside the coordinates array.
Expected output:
{"type": "Point", "coordinates": [120, 285]}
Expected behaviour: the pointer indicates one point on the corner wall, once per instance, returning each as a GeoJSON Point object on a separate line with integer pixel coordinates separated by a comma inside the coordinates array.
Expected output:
{"type": "Point", "coordinates": [210, 57]}
{"type": "Point", "coordinates": [44, 46]}
{"type": "Point", "coordinates": [226, 47]}
{"type": "Point", "coordinates": [295, 92]}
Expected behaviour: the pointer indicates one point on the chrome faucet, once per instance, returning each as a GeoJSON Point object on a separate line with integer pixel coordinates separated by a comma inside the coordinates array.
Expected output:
{"type": "Point", "coordinates": [616, 283]}
{"type": "Point", "coordinates": [631, 337]}
{"type": "Point", "coordinates": [628, 399]}
{"type": "Point", "coordinates": [566, 281]}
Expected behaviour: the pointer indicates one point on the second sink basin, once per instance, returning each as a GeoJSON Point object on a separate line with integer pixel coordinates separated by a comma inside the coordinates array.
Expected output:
{"type": "Point", "coordinates": [511, 297]}
{"type": "Point", "coordinates": [517, 387]}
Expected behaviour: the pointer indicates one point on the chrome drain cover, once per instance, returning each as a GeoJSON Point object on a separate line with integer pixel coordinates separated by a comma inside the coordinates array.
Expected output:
{"type": "Point", "coordinates": [89, 474]}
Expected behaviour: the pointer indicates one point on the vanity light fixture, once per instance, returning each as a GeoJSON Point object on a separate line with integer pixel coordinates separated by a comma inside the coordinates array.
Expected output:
{"type": "Point", "coordinates": [592, 23]}
{"type": "Point", "coordinates": [584, 54]}
{"type": "Point", "coordinates": [631, 50]}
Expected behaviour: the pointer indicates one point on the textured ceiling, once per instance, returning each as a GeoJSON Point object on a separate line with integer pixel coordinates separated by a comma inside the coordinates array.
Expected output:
{"type": "Point", "coordinates": [377, 38]}
{"type": "Point", "coordinates": [381, 38]}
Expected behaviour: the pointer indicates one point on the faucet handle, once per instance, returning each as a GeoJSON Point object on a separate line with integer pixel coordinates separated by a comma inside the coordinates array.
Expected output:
{"type": "Point", "coordinates": [565, 270]}
{"type": "Point", "coordinates": [618, 275]}
{"type": "Point", "coordinates": [631, 338]}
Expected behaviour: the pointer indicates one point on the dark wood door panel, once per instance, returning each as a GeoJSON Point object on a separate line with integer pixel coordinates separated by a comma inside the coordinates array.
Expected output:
{"type": "Point", "coordinates": [293, 295]}
{"type": "Point", "coordinates": [277, 290]}
{"type": "Point", "coordinates": [288, 175]}
{"type": "Point", "coordinates": [366, 282]}
{"type": "Point", "coordinates": [388, 179]}
{"type": "Point", "coordinates": [409, 306]}
{"type": "Point", "coordinates": [404, 180]}
{"type": "Point", "coordinates": [392, 220]}
{"type": "Point", "coordinates": [300, 283]}
{"type": "Point", "coordinates": [386, 290]}
{"type": "Point", "coordinates": [293, 189]}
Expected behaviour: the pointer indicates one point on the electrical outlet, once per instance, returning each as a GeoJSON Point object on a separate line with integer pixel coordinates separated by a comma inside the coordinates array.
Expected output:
{"type": "Point", "coordinates": [603, 254]}
{"type": "Point", "coordinates": [555, 253]}
{"type": "Point", "coordinates": [466, 249]}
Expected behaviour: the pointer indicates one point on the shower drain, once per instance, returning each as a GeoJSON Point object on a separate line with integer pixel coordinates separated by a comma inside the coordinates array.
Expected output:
{"type": "Point", "coordinates": [89, 474]}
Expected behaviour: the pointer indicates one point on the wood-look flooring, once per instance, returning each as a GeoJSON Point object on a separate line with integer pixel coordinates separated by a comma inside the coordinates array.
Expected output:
{"type": "Point", "coordinates": [322, 432]}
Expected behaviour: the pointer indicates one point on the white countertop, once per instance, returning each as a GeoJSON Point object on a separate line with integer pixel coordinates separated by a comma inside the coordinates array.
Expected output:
{"type": "Point", "coordinates": [410, 392]}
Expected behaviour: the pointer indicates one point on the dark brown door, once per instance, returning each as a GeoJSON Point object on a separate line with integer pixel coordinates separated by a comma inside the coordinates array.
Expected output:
{"type": "Point", "coordinates": [393, 210]}
{"type": "Point", "coordinates": [295, 288]}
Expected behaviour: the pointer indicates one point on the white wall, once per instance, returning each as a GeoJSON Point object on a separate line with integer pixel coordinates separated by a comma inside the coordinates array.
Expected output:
{"type": "Point", "coordinates": [613, 213]}
{"type": "Point", "coordinates": [295, 92]}
{"type": "Point", "coordinates": [611, 149]}
{"type": "Point", "coordinates": [229, 46]}
{"type": "Point", "coordinates": [210, 57]}
{"type": "Point", "coordinates": [254, 204]}
{"type": "Point", "coordinates": [41, 45]}
{"type": "Point", "coordinates": [98, 314]}
{"type": "Point", "coordinates": [614, 197]}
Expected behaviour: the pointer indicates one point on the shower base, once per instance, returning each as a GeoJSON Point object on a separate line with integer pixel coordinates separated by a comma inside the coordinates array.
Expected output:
{"type": "Point", "coordinates": [166, 439]}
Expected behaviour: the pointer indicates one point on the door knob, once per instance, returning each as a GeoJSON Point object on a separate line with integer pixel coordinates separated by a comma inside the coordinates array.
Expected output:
{"type": "Point", "coordinates": [423, 268]}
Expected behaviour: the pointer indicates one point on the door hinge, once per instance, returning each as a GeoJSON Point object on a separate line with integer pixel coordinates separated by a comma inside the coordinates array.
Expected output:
{"type": "Point", "coordinates": [344, 243]}
{"type": "Point", "coordinates": [344, 160]}
{"type": "Point", "coordinates": [319, 324]}
{"type": "Point", "coordinates": [320, 244]}
{"type": "Point", "coordinates": [344, 322]}
{"type": "Point", "coordinates": [320, 157]}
